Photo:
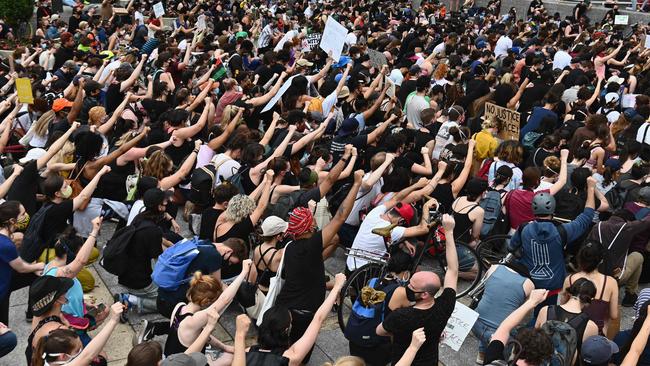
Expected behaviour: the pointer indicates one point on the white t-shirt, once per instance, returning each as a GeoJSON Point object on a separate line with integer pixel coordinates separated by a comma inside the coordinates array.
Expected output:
{"type": "Point", "coordinates": [138, 206]}
{"type": "Point", "coordinates": [503, 44]}
{"type": "Point", "coordinates": [366, 240]}
{"type": "Point", "coordinates": [363, 199]}
{"type": "Point", "coordinates": [442, 138]}
{"type": "Point", "coordinates": [643, 134]}
{"type": "Point", "coordinates": [561, 60]}
{"type": "Point", "coordinates": [440, 48]}
{"type": "Point", "coordinates": [227, 169]}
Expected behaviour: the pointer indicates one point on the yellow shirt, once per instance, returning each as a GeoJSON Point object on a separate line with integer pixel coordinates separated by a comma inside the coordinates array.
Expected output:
{"type": "Point", "coordinates": [486, 144]}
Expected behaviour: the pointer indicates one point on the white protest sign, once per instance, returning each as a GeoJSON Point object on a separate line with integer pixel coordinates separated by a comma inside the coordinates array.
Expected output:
{"type": "Point", "coordinates": [628, 101]}
{"type": "Point", "coordinates": [460, 323]}
{"type": "Point", "coordinates": [391, 87]}
{"type": "Point", "coordinates": [333, 38]}
{"type": "Point", "coordinates": [200, 23]}
{"type": "Point", "coordinates": [158, 9]}
{"type": "Point", "coordinates": [647, 41]}
{"type": "Point", "coordinates": [311, 41]}
{"type": "Point", "coordinates": [277, 96]}
{"type": "Point", "coordinates": [621, 19]}
{"type": "Point", "coordinates": [507, 120]}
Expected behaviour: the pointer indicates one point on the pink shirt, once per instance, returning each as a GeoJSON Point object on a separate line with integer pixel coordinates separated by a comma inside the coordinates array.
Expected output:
{"type": "Point", "coordinates": [519, 206]}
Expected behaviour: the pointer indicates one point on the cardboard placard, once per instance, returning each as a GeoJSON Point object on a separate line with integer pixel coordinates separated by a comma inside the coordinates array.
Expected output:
{"type": "Point", "coordinates": [333, 38]}
{"type": "Point", "coordinates": [377, 59]}
{"type": "Point", "coordinates": [24, 89]}
{"type": "Point", "coordinates": [621, 19]}
{"type": "Point", "coordinates": [458, 326]}
{"type": "Point", "coordinates": [158, 9]}
{"type": "Point", "coordinates": [508, 120]}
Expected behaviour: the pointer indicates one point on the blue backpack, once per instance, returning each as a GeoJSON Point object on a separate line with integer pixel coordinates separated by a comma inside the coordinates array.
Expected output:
{"type": "Point", "coordinates": [494, 220]}
{"type": "Point", "coordinates": [170, 271]}
{"type": "Point", "coordinates": [363, 321]}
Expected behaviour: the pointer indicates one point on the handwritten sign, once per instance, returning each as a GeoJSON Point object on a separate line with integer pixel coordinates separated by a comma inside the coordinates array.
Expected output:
{"type": "Point", "coordinates": [621, 19]}
{"type": "Point", "coordinates": [24, 88]}
{"type": "Point", "coordinates": [279, 95]}
{"type": "Point", "coordinates": [333, 38]}
{"type": "Point", "coordinates": [312, 41]}
{"type": "Point", "coordinates": [377, 59]}
{"type": "Point", "coordinates": [158, 9]}
{"type": "Point", "coordinates": [458, 326]}
{"type": "Point", "coordinates": [506, 119]}
{"type": "Point", "coordinates": [628, 101]}
{"type": "Point", "coordinates": [200, 23]}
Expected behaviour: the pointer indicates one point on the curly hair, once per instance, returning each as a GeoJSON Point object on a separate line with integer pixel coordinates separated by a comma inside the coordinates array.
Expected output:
{"type": "Point", "coordinates": [239, 207]}
{"type": "Point", "coordinates": [159, 165]}
{"type": "Point", "coordinates": [536, 346]}
{"type": "Point", "coordinates": [204, 289]}
{"type": "Point", "coordinates": [510, 151]}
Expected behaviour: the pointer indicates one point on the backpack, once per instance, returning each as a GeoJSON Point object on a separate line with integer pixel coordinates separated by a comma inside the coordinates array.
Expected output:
{"type": "Point", "coordinates": [568, 205]}
{"type": "Point", "coordinates": [236, 179]}
{"type": "Point", "coordinates": [616, 197]}
{"type": "Point", "coordinates": [202, 182]}
{"type": "Point", "coordinates": [494, 220]}
{"type": "Point", "coordinates": [336, 199]}
{"type": "Point", "coordinates": [530, 139]}
{"type": "Point", "coordinates": [484, 170]}
{"type": "Point", "coordinates": [33, 241]}
{"type": "Point", "coordinates": [285, 204]}
{"type": "Point", "coordinates": [115, 259]}
{"type": "Point", "coordinates": [170, 270]}
{"type": "Point", "coordinates": [363, 321]}
{"type": "Point", "coordinates": [563, 335]}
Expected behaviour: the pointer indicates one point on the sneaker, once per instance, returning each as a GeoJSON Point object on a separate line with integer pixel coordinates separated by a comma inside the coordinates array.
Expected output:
{"type": "Point", "coordinates": [124, 299]}
{"type": "Point", "coordinates": [144, 334]}
{"type": "Point", "coordinates": [480, 357]}
{"type": "Point", "coordinates": [629, 299]}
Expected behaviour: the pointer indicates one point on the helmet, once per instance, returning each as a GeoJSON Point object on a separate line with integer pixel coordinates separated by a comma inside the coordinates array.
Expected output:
{"type": "Point", "coordinates": [543, 204]}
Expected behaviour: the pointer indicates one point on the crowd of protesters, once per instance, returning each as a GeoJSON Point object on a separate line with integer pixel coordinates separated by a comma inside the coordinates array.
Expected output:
{"type": "Point", "coordinates": [223, 133]}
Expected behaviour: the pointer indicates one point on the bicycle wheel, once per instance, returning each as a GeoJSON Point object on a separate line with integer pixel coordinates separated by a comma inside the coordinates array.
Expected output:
{"type": "Point", "coordinates": [493, 249]}
{"type": "Point", "coordinates": [470, 267]}
{"type": "Point", "coordinates": [353, 285]}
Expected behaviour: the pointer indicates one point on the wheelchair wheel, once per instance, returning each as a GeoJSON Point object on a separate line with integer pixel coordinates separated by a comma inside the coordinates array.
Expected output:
{"type": "Point", "coordinates": [470, 268]}
{"type": "Point", "coordinates": [493, 249]}
{"type": "Point", "coordinates": [353, 285]}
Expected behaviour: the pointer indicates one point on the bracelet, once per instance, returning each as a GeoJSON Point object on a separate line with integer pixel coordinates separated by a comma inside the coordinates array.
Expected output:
{"type": "Point", "coordinates": [345, 160]}
{"type": "Point", "coordinates": [92, 236]}
{"type": "Point", "coordinates": [196, 151]}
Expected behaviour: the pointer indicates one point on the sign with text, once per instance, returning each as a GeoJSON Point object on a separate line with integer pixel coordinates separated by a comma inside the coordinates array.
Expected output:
{"type": "Point", "coordinates": [507, 120]}
{"type": "Point", "coordinates": [647, 41]}
{"type": "Point", "coordinates": [313, 40]}
{"type": "Point", "coordinates": [458, 326]}
{"type": "Point", "coordinates": [621, 19]}
{"type": "Point", "coordinates": [333, 38]}
{"type": "Point", "coordinates": [158, 9]}
{"type": "Point", "coordinates": [24, 89]}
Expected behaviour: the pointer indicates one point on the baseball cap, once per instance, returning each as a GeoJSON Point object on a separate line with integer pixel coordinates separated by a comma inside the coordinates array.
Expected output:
{"type": "Point", "coordinates": [644, 195]}
{"type": "Point", "coordinates": [338, 77]}
{"type": "Point", "coordinates": [348, 126]}
{"type": "Point", "coordinates": [597, 350]}
{"type": "Point", "coordinates": [45, 290]}
{"type": "Point", "coordinates": [60, 104]}
{"type": "Point", "coordinates": [33, 154]}
{"type": "Point", "coordinates": [274, 225]}
{"type": "Point", "coordinates": [405, 211]}
{"type": "Point", "coordinates": [344, 93]}
{"type": "Point", "coordinates": [183, 359]}
{"type": "Point", "coordinates": [611, 97]}
{"type": "Point", "coordinates": [304, 63]}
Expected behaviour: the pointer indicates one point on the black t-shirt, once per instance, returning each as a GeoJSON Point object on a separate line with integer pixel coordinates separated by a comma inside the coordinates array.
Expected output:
{"type": "Point", "coordinates": [114, 96]}
{"type": "Point", "coordinates": [25, 187]}
{"type": "Point", "coordinates": [240, 230]}
{"type": "Point", "coordinates": [310, 195]}
{"type": "Point", "coordinates": [155, 108]}
{"type": "Point", "coordinates": [403, 162]}
{"type": "Point", "coordinates": [207, 262]}
{"type": "Point", "coordinates": [494, 352]}
{"type": "Point", "coordinates": [56, 220]}
{"type": "Point", "coordinates": [208, 220]}
{"type": "Point", "coordinates": [537, 156]}
{"type": "Point", "coordinates": [408, 86]}
{"type": "Point", "coordinates": [145, 246]}
{"type": "Point", "coordinates": [533, 95]}
{"type": "Point", "coordinates": [337, 147]}
{"type": "Point", "coordinates": [304, 273]}
{"type": "Point", "coordinates": [402, 322]}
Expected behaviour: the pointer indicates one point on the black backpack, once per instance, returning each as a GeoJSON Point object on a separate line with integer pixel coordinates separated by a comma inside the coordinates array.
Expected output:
{"type": "Point", "coordinates": [285, 204]}
{"type": "Point", "coordinates": [33, 242]}
{"type": "Point", "coordinates": [202, 184]}
{"type": "Point", "coordinates": [568, 205]}
{"type": "Point", "coordinates": [115, 259]}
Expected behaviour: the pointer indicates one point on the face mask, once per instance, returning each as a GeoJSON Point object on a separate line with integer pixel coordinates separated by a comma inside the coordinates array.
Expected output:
{"type": "Point", "coordinates": [410, 294]}
{"type": "Point", "coordinates": [22, 223]}
{"type": "Point", "coordinates": [66, 192]}
{"type": "Point", "coordinates": [328, 166]}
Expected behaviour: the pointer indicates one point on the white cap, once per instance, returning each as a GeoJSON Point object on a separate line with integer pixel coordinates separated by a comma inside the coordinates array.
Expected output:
{"type": "Point", "coordinates": [273, 225]}
{"type": "Point", "coordinates": [33, 154]}
{"type": "Point", "coordinates": [397, 77]}
{"type": "Point", "coordinates": [611, 98]}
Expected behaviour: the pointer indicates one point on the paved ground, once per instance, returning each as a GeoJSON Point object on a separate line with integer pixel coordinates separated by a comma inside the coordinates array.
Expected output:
{"type": "Point", "coordinates": [330, 345]}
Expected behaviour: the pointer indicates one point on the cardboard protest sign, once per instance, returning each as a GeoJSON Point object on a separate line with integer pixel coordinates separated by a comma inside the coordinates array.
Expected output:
{"type": "Point", "coordinates": [377, 59]}
{"type": "Point", "coordinates": [158, 9]}
{"type": "Point", "coordinates": [24, 89]}
{"type": "Point", "coordinates": [621, 19]}
{"type": "Point", "coordinates": [333, 38]}
{"type": "Point", "coordinates": [458, 326]}
{"type": "Point", "coordinates": [507, 120]}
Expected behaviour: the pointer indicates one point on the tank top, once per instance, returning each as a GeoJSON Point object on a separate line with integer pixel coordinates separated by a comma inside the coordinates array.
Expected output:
{"type": "Point", "coordinates": [504, 293]}
{"type": "Point", "coordinates": [75, 295]}
{"type": "Point", "coordinates": [29, 351]}
{"type": "Point", "coordinates": [598, 310]}
{"type": "Point", "coordinates": [445, 196]}
{"type": "Point", "coordinates": [463, 222]}
{"type": "Point", "coordinates": [173, 344]}
{"type": "Point", "coordinates": [266, 274]}
{"type": "Point", "coordinates": [258, 357]}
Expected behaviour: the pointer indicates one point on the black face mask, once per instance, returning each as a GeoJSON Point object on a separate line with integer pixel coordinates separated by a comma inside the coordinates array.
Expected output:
{"type": "Point", "coordinates": [410, 294]}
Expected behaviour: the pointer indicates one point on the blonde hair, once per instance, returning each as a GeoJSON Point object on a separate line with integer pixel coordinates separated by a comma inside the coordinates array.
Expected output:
{"type": "Point", "coordinates": [347, 361]}
{"type": "Point", "coordinates": [507, 78]}
{"type": "Point", "coordinates": [204, 289]}
{"type": "Point", "coordinates": [95, 115]}
{"type": "Point", "coordinates": [239, 207]}
{"type": "Point", "coordinates": [157, 165]}
{"type": "Point", "coordinates": [43, 122]}
{"type": "Point", "coordinates": [126, 137]}
{"type": "Point", "coordinates": [64, 156]}
{"type": "Point", "coordinates": [228, 114]}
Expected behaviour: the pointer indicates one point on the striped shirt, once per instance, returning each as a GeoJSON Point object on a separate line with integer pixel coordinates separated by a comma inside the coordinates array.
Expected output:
{"type": "Point", "coordinates": [265, 37]}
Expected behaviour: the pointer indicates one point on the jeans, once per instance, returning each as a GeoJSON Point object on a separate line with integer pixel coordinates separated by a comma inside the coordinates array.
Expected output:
{"type": "Point", "coordinates": [483, 332]}
{"type": "Point", "coordinates": [632, 272]}
{"type": "Point", "coordinates": [18, 281]}
{"type": "Point", "coordinates": [146, 298]}
{"type": "Point", "coordinates": [8, 342]}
